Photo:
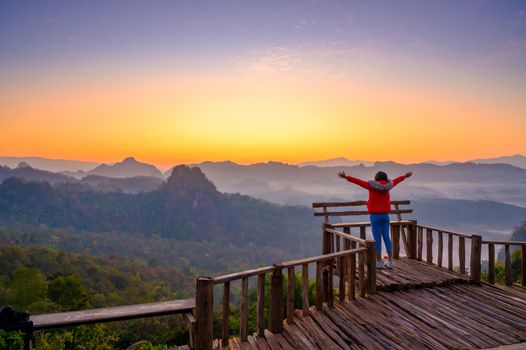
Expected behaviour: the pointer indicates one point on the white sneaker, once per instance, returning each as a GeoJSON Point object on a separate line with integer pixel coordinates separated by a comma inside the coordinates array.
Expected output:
{"type": "Point", "coordinates": [379, 265]}
{"type": "Point", "coordinates": [389, 264]}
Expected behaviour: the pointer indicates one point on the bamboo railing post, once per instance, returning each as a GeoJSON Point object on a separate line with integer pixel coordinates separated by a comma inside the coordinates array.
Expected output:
{"type": "Point", "coordinates": [412, 241]}
{"type": "Point", "coordinates": [474, 266]}
{"type": "Point", "coordinates": [204, 315]}
{"type": "Point", "coordinates": [319, 286]}
{"type": "Point", "coordinates": [325, 245]}
{"type": "Point", "coordinates": [352, 274]}
{"type": "Point", "coordinates": [260, 307]}
{"type": "Point", "coordinates": [395, 233]}
{"type": "Point", "coordinates": [276, 301]}
{"type": "Point", "coordinates": [225, 330]}
{"type": "Point", "coordinates": [371, 266]}
{"type": "Point", "coordinates": [305, 289]}
{"type": "Point", "coordinates": [440, 248]}
{"type": "Point", "coordinates": [341, 294]}
{"type": "Point", "coordinates": [420, 242]}
{"type": "Point", "coordinates": [290, 295]}
{"type": "Point", "coordinates": [523, 264]}
{"type": "Point", "coordinates": [329, 284]}
{"type": "Point", "coordinates": [243, 310]}
{"type": "Point", "coordinates": [491, 263]}
{"type": "Point", "coordinates": [450, 252]}
{"type": "Point", "coordinates": [362, 232]}
{"type": "Point", "coordinates": [361, 273]}
{"type": "Point", "coordinates": [429, 245]}
{"type": "Point", "coordinates": [507, 265]}
{"type": "Point", "coordinates": [462, 254]}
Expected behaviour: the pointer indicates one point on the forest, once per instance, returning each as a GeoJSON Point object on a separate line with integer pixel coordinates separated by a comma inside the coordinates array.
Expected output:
{"type": "Point", "coordinates": [68, 247]}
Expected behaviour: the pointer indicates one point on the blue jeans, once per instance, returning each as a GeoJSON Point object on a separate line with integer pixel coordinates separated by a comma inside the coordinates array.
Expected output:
{"type": "Point", "coordinates": [380, 225]}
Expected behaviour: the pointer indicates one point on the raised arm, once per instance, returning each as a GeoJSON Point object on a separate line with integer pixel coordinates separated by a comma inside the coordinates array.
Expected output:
{"type": "Point", "coordinates": [355, 180]}
{"type": "Point", "coordinates": [401, 178]}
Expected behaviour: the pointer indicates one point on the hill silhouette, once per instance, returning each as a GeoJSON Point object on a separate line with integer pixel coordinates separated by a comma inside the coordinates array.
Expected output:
{"type": "Point", "coordinates": [129, 167]}
{"type": "Point", "coordinates": [186, 207]}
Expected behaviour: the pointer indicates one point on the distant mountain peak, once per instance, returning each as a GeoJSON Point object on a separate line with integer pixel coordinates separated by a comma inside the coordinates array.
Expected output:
{"type": "Point", "coordinates": [185, 179]}
{"type": "Point", "coordinates": [336, 162]}
{"type": "Point", "coordinates": [23, 165]}
{"type": "Point", "coordinates": [129, 167]}
{"type": "Point", "coordinates": [129, 160]}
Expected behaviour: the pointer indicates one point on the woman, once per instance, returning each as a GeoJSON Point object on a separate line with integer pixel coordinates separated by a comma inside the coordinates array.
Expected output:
{"type": "Point", "coordinates": [379, 206]}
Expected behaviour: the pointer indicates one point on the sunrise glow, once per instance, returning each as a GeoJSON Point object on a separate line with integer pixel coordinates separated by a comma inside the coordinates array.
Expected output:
{"type": "Point", "coordinates": [314, 85]}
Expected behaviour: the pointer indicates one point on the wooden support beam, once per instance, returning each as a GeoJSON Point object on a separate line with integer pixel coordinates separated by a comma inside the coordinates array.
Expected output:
{"type": "Point", "coordinates": [371, 266]}
{"type": "Point", "coordinates": [440, 248]}
{"type": "Point", "coordinates": [260, 306]}
{"type": "Point", "coordinates": [191, 326]}
{"type": "Point", "coordinates": [276, 301]}
{"type": "Point", "coordinates": [225, 330]}
{"type": "Point", "coordinates": [341, 294]}
{"type": "Point", "coordinates": [362, 232]}
{"type": "Point", "coordinates": [450, 252]}
{"type": "Point", "coordinates": [204, 315]}
{"type": "Point", "coordinates": [474, 266]}
{"type": "Point", "coordinates": [290, 294]}
{"type": "Point", "coordinates": [412, 238]}
{"type": "Point", "coordinates": [361, 273]}
{"type": "Point", "coordinates": [305, 289]}
{"type": "Point", "coordinates": [429, 246]}
{"type": "Point", "coordinates": [507, 265]}
{"type": "Point", "coordinates": [523, 264]}
{"type": "Point", "coordinates": [491, 263]}
{"type": "Point", "coordinates": [395, 233]}
{"type": "Point", "coordinates": [330, 288]}
{"type": "Point", "coordinates": [352, 274]}
{"type": "Point", "coordinates": [319, 286]}
{"type": "Point", "coordinates": [462, 254]}
{"type": "Point", "coordinates": [243, 310]}
{"type": "Point", "coordinates": [420, 242]}
{"type": "Point", "coordinates": [325, 244]}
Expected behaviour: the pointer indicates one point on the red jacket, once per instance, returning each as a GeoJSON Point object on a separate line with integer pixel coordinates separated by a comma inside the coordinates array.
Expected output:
{"type": "Point", "coordinates": [379, 202]}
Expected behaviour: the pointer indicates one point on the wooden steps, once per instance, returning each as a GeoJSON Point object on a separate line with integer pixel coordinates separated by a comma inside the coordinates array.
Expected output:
{"type": "Point", "coordinates": [457, 316]}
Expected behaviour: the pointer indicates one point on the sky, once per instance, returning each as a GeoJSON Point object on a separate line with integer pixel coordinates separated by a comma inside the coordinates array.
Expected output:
{"type": "Point", "coordinates": [187, 81]}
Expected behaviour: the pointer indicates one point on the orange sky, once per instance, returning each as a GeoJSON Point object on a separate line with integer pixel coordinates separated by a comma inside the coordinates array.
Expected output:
{"type": "Point", "coordinates": [185, 82]}
{"type": "Point", "coordinates": [246, 116]}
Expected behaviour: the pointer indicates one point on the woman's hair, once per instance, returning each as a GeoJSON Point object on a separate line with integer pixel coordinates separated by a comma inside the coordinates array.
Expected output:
{"type": "Point", "coordinates": [381, 176]}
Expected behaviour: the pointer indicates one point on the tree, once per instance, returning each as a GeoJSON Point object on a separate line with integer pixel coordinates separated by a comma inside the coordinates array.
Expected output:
{"type": "Point", "coordinates": [69, 293]}
{"type": "Point", "coordinates": [27, 286]}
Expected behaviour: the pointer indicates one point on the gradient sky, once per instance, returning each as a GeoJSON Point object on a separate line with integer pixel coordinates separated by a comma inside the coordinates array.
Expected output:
{"type": "Point", "coordinates": [186, 81]}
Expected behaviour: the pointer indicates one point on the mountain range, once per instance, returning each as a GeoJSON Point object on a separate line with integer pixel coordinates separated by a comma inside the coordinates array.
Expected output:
{"type": "Point", "coordinates": [291, 184]}
{"type": "Point", "coordinates": [131, 167]}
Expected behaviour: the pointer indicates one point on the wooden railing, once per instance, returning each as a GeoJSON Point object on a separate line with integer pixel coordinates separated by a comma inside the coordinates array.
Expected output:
{"type": "Point", "coordinates": [432, 232]}
{"type": "Point", "coordinates": [345, 260]}
{"type": "Point", "coordinates": [111, 314]}
{"type": "Point", "coordinates": [507, 260]}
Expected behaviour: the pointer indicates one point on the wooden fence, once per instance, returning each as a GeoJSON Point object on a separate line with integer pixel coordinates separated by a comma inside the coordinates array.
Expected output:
{"type": "Point", "coordinates": [346, 260]}
{"type": "Point", "coordinates": [507, 260]}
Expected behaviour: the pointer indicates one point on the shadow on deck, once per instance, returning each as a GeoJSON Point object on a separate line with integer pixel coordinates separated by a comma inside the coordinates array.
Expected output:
{"type": "Point", "coordinates": [459, 316]}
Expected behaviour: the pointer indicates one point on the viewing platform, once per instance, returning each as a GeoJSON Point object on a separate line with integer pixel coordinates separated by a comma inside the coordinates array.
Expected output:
{"type": "Point", "coordinates": [430, 300]}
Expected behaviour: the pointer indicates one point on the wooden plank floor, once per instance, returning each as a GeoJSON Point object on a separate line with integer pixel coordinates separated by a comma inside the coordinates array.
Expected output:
{"type": "Point", "coordinates": [409, 273]}
{"type": "Point", "coordinates": [460, 316]}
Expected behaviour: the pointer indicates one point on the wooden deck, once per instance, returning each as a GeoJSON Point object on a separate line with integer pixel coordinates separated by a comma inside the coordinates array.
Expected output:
{"type": "Point", "coordinates": [459, 316]}
{"type": "Point", "coordinates": [410, 273]}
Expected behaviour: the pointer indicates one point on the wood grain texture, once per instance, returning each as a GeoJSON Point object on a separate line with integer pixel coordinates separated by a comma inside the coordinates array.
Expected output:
{"type": "Point", "coordinates": [491, 263]}
{"type": "Point", "coordinates": [225, 326]}
{"type": "Point", "coordinates": [453, 317]}
{"type": "Point", "coordinates": [462, 254]}
{"type": "Point", "coordinates": [429, 246]}
{"type": "Point", "coordinates": [260, 306]}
